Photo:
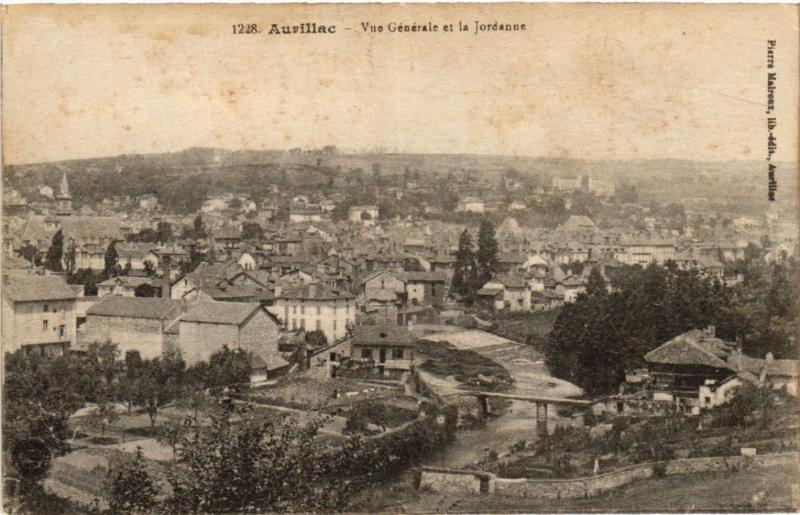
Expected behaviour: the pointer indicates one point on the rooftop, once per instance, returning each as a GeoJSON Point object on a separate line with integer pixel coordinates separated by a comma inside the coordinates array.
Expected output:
{"type": "Point", "coordinates": [29, 288]}
{"type": "Point", "coordinates": [137, 307]}
{"type": "Point", "coordinates": [382, 335]}
{"type": "Point", "coordinates": [213, 312]}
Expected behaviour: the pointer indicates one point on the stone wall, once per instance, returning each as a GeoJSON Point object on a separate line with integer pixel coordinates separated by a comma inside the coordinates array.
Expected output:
{"type": "Point", "coordinates": [141, 334]}
{"type": "Point", "coordinates": [453, 481]}
{"type": "Point", "coordinates": [460, 481]}
{"type": "Point", "coordinates": [572, 488]}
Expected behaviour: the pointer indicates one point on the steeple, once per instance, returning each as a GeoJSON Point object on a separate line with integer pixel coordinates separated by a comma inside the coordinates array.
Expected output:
{"type": "Point", "coordinates": [64, 198]}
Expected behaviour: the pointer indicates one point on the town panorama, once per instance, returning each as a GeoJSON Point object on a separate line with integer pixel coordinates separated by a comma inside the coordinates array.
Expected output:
{"type": "Point", "coordinates": [218, 331]}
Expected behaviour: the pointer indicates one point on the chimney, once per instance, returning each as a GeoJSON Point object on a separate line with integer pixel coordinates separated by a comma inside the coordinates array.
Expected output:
{"type": "Point", "coordinates": [166, 270]}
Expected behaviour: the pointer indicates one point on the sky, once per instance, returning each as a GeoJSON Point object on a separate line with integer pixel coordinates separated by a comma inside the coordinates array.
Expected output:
{"type": "Point", "coordinates": [623, 81]}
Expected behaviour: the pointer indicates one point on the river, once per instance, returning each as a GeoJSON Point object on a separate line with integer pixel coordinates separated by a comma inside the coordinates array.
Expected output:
{"type": "Point", "coordinates": [498, 433]}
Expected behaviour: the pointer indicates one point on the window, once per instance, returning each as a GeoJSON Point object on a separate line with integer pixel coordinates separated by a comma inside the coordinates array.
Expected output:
{"type": "Point", "coordinates": [294, 309]}
{"type": "Point", "coordinates": [319, 325]}
{"type": "Point", "coordinates": [62, 331]}
{"type": "Point", "coordinates": [708, 400]}
{"type": "Point", "coordinates": [44, 326]}
{"type": "Point", "coordinates": [303, 324]}
{"type": "Point", "coordinates": [46, 308]}
{"type": "Point", "coordinates": [302, 310]}
{"type": "Point", "coordinates": [366, 353]}
{"type": "Point", "coordinates": [347, 309]}
{"type": "Point", "coordinates": [294, 324]}
{"type": "Point", "coordinates": [397, 354]}
{"type": "Point", "coordinates": [382, 283]}
{"type": "Point", "coordinates": [334, 324]}
{"type": "Point", "coordinates": [319, 310]}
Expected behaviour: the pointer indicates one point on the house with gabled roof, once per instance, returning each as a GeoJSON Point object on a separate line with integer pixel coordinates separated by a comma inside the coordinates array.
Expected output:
{"type": "Point", "coordinates": [125, 286]}
{"type": "Point", "coordinates": [38, 313]}
{"type": "Point", "coordinates": [697, 369]}
{"type": "Point", "coordinates": [208, 325]}
{"type": "Point", "coordinates": [506, 293]}
{"type": "Point", "coordinates": [386, 350]}
{"type": "Point", "coordinates": [424, 288]}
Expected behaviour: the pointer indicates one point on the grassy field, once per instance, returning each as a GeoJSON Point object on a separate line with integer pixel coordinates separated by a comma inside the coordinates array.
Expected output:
{"type": "Point", "coordinates": [306, 392]}
{"type": "Point", "coordinates": [465, 365]}
{"type": "Point", "coordinates": [528, 328]}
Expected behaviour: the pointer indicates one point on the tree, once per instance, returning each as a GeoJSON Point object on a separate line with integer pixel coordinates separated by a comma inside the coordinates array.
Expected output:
{"type": "Point", "coordinates": [69, 258]}
{"type": "Point", "coordinates": [486, 258]}
{"type": "Point", "coordinates": [465, 271]}
{"type": "Point", "coordinates": [595, 339]}
{"type": "Point", "coordinates": [55, 252]}
{"type": "Point", "coordinates": [103, 357]}
{"type": "Point", "coordinates": [31, 253]}
{"type": "Point", "coordinates": [595, 285]}
{"type": "Point", "coordinates": [126, 387]}
{"type": "Point", "coordinates": [227, 367]}
{"type": "Point", "coordinates": [316, 338]}
{"type": "Point", "coordinates": [155, 386]}
{"type": "Point", "coordinates": [145, 290]}
{"type": "Point", "coordinates": [171, 433]}
{"type": "Point", "coordinates": [252, 231]}
{"type": "Point", "coordinates": [87, 278]}
{"type": "Point", "coordinates": [164, 232]}
{"type": "Point", "coordinates": [149, 268]}
{"type": "Point", "coordinates": [111, 257]}
{"type": "Point", "coordinates": [199, 228]}
{"type": "Point", "coordinates": [242, 463]}
{"type": "Point", "coordinates": [39, 395]}
{"type": "Point", "coordinates": [104, 415]}
{"type": "Point", "coordinates": [129, 488]}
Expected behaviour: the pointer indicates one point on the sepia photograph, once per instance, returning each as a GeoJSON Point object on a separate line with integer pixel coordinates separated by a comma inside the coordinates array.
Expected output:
{"type": "Point", "coordinates": [399, 258]}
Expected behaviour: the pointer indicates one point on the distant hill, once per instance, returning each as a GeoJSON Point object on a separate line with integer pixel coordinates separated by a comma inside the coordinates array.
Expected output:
{"type": "Point", "coordinates": [197, 172]}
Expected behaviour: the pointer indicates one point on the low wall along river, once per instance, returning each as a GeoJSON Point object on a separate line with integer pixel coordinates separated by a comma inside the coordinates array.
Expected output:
{"type": "Point", "coordinates": [476, 482]}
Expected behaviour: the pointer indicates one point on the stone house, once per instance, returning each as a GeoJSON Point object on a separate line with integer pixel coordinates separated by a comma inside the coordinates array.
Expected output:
{"type": "Point", "coordinates": [133, 323]}
{"type": "Point", "coordinates": [38, 313]}
{"type": "Point", "coordinates": [315, 307]}
{"type": "Point", "coordinates": [424, 288]}
{"type": "Point", "coordinates": [385, 350]}
{"type": "Point", "coordinates": [366, 215]}
{"type": "Point", "coordinates": [383, 282]}
{"type": "Point", "coordinates": [506, 293]}
{"type": "Point", "coordinates": [124, 286]}
{"type": "Point", "coordinates": [209, 325]}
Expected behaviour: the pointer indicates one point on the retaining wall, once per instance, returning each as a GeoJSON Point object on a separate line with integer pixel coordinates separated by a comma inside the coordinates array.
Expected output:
{"type": "Point", "coordinates": [455, 481]}
{"type": "Point", "coordinates": [463, 481]}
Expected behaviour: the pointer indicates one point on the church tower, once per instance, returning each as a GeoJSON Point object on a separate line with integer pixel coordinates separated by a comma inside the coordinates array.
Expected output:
{"type": "Point", "coordinates": [64, 198]}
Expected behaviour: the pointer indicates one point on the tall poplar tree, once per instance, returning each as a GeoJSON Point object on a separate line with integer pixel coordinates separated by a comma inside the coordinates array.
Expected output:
{"type": "Point", "coordinates": [56, 252]}
{"type": "Point", "coordinates": [465, 269]}
{"type": "Point", "coordinates": [487, 251]}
